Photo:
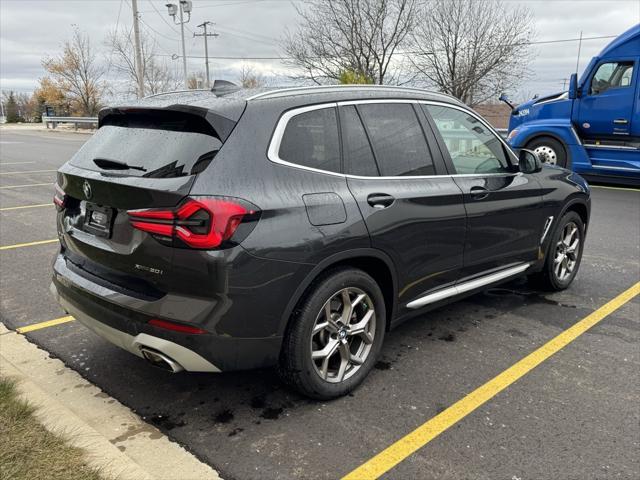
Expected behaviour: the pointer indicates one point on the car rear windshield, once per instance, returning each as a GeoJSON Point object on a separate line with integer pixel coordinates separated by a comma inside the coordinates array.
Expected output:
{"type": "Point", "coordinates": [155, 145]}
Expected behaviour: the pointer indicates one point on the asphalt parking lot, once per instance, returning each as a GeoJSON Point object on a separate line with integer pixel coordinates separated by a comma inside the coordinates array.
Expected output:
{"type": "Point", "coordinates": [575, 416]}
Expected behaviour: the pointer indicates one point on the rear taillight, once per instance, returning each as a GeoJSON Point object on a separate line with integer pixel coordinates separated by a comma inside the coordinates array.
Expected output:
{"type": "Point", "coordinates": [59, 197]}
{"type": "Point", "coordinates": [204, 223]}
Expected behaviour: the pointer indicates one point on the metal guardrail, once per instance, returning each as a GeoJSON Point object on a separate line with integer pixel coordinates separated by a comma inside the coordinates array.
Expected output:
{"type": "Point", "coordinates": [54, 121]}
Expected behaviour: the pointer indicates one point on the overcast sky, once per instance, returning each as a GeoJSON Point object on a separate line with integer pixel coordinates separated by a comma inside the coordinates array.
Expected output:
{"type": "Point", "coordinates": [30, 30]}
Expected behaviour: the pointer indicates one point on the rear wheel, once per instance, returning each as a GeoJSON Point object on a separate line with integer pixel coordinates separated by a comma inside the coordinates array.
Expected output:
{"type": "Point", "coordinates": [550, 150]}
{"type": "Point", "coordinates": [335, 336]}
{"type": "Point", "coordinates": [564, 254]}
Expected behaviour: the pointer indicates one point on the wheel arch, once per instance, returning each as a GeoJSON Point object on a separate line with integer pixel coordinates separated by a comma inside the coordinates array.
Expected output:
{"type": "Point", "coordinates": [374, 262]}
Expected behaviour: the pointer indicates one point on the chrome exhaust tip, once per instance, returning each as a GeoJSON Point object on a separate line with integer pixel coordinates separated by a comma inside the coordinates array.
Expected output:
{"type": "Point", "coordinates": [160, 360]}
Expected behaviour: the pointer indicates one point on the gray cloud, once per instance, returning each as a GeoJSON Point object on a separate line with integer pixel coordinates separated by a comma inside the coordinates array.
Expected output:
{"type": "Point", "coordinates": [252, 28]}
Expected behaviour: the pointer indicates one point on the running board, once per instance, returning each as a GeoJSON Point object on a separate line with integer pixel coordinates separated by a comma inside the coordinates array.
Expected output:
{"type": "Point", "coordinates": [467, 286]}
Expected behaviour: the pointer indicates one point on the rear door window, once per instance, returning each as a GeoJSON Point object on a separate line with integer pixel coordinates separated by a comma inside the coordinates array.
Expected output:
{"type": "Point", "coordinates": [163, 145]}
{"type": "Point", "coordinates": [398, 141]}
{"type": "Point", "coordinates": [311, 140]}
{"type": "Point", "coordinates": [358, 156]}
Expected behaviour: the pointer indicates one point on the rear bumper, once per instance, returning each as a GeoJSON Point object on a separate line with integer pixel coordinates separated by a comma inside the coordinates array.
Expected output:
{"type": "Point", "coordinates": [186, 359]}
{"type": "Point", "coordinates": [123, 320]}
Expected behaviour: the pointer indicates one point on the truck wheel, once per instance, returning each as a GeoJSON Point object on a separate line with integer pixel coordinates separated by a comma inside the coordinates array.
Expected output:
{"type": "Point", "coordinates": [335, 335]}
{"type": "Point", "coordinates": [549, 150]}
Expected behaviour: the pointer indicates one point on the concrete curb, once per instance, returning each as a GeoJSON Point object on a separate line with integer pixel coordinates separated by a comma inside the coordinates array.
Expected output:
{"type": "Point", "coordinates": [116, 440]}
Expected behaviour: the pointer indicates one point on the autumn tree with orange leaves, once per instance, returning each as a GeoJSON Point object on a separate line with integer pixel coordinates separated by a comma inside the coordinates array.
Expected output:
{"type": "Point", "coordinates": [77, 73]}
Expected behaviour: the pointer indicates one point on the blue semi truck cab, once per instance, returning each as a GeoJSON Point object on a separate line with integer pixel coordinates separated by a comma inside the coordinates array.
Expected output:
{"type": "Point", "coordinates": [594, 127]}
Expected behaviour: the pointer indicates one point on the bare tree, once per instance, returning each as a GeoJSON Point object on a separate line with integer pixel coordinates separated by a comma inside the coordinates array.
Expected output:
{"type": "Point", "coordinates": [250, 78]}
{"type": "Point", "coordinates": [472, 49]}
{"type": "Point", "coordinates": [196, 81]}
{"type": "Point", "coordinates": [359, 36]}
{"type": "Point", "coordinates": [78, 74]}
{"type": "Point", "coordinates": [158, 75]}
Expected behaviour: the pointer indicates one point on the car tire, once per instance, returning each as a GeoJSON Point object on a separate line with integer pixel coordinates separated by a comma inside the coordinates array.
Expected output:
{"type": "Point", "coordinates": [325, 354]}
{"type": "Point", "coordinates": [550, 150]}
{"type": "Point", "coordinates": [563, 255]}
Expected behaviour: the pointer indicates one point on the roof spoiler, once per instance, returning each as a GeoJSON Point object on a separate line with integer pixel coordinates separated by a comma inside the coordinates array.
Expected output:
{"type": "Point", "coordinates": [220, 125]}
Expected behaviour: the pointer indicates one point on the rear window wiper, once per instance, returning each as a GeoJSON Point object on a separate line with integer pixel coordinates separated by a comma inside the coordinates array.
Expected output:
{"type": "Point", "coordinates": [116, 165]}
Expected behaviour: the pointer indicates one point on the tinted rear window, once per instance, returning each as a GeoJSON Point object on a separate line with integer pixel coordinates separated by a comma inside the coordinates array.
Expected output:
{"type": "Point", "coordinates": [171, 144]}
{"type": "Point", "coordinates": [311, 139]}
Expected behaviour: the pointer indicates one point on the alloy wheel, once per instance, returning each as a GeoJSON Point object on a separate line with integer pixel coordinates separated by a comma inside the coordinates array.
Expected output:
{"type": "Point", "coordinates": [343, 335]}
{"type": "Point", "coordinates": [567, 249]}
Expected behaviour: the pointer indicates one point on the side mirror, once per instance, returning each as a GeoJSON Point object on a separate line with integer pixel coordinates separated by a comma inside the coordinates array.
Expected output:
{"type": "Point", "coordinates": [573, 86]}
{"type": "Point", "coordinates": [528, 161]}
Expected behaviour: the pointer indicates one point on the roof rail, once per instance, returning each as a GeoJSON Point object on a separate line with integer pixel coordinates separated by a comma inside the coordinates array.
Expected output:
{"type": "Point", "coordinates": [272, 93]}
{"type": "Point", "coordinates": [177, 91]}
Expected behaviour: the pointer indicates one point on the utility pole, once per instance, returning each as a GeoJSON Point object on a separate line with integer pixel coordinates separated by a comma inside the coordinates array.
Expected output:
{"type": "Point", "coordinates": [579, 48]}
{"type": "Point", "coordinates": [184, 7]}
{"type": "Point", "coordinates": [136, 37]}
{"type": "Point", "coordinates": [206, 47]}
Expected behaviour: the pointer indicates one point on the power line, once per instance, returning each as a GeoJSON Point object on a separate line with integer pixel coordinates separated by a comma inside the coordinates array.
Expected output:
{"type": "Point", "coordinates": [162, 17]}
{"type": "Point", "coordinates": [237, 57]}
{"type": "Point", "coordinates": [157, 32]}
{"type": "Point", "coordinates": [113, 47]}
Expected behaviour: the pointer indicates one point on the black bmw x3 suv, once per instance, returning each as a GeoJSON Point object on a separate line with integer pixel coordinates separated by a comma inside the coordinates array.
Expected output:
{"type": "Point", "coordinates": [230, 229]}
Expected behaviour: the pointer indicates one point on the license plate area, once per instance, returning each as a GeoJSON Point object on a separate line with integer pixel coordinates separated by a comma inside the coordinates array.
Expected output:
{"type": "Point", "coordinates": [98, 220]}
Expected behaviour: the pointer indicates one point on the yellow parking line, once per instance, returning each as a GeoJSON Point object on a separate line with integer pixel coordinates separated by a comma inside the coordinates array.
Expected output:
{"type": "Point", "coordinates": [27, 185]}
{"type": "Point", "coordinates": [400, 450]}
{"type": "Point", "coordinates": [628, 189]}
{"type": "Point", "coordinates": [29, 244]}
{"type": "Point", "coordinates": [48, 323]}
{"type": "Point", "coordinates": [6, 209]}
{"type": "Point", "coordinates": [28, 171]}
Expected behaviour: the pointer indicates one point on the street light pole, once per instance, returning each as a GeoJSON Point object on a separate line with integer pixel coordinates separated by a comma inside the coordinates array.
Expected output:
{"type": "Point", "coordinates": [206, 47]}
{"type": "Point", "coordinates": [184, 7]}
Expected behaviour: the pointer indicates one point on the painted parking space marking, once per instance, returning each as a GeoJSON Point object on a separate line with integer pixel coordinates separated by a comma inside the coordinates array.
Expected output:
{"type": "Point", "coordinates": [27, 185]}
{"type": "Point", "coordinates": [39, 205]}
{"type": "Point", "coordinates": [13, 163]}
{"type": "Point", "coordinates": [47, 324]}
{"type": "Point", "coordinates": [421, 436]}
{"type": "Point", "coordinates": [624, 189]}
{"type": "Point", "coordinates": [27, 171]}
{"type": "Point", "coordinates": [28, 244]}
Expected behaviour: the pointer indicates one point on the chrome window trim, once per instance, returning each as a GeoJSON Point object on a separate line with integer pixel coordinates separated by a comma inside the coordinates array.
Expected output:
{"type": "Point", "coordinates": [276, 140]}
{"type": "Point", "coordinates": [467, 286]}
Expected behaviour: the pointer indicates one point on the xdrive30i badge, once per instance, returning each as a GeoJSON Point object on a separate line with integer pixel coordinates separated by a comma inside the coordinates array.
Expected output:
{"type": "Point", "coordinates": [86, 189]}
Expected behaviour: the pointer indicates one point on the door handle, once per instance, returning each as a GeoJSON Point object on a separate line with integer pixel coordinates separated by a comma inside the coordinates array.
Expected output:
{"type": "Point", "coordinates": [478, 193]}
{"type": "Point", "coordinates": [621, 121]}
{"type": "Point", "coordinates": [380, 200]}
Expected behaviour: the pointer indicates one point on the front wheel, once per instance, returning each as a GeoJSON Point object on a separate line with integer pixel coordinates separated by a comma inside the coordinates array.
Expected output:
{"type": "Point", "coordinates": [550, 151]}
{"type": "Point", "coordinates": [564, 254]}
{"type": "Point", "coordinates": [335, 335]}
